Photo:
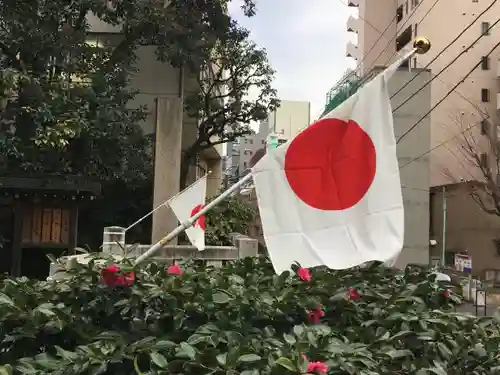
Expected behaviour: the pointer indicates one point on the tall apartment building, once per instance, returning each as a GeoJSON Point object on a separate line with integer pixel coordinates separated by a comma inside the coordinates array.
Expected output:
{"type": "Point", "coordinates": [458, 226]}
{"type": "Point", "coordinates": [476, 100]}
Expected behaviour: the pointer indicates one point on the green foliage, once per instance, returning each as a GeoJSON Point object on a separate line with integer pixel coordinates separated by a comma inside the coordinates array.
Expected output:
{"type": "Point", "coordinates": [233, 215]}
{"type": "Point", "coordinates": [241, 319]}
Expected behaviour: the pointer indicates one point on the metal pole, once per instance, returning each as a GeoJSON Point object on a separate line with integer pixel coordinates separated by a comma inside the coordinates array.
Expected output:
{"type": "Point", "coordinates": [443, 250]}
{"type": "Point", "coordinates": [153, 249]}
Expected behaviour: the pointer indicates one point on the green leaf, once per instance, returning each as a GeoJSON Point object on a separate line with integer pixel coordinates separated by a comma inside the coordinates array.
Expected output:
{"type": "Point", "coordinates": [186, 351]}
{"type": "Point", "coordinates": [5, 300]}
{"type": "Point", "coordinates": [6, 370]}
{"type": "Point", "coordinates": [164, 344]}
{"type": "Point", "coordinates": [222, 359]}
{"type": "Point", "coordinates": [286, 363]}
{"type": "Point", "coordinates": [221, 298]}
{"type": "Point", "coordinates": [159, 360]}
{"type": "Point", "coordinates": [399, 353]}
{"type": "Point", "coordinates": [249, 358]}
{"type": "Point", "coordinates": [289, 339]}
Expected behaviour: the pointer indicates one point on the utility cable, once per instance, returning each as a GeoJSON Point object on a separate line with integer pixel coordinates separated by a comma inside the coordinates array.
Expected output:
{"type": "Point", "coordinates": [426, 67]}
{"type": "Point", "coordinates": [442, 70]}
{"type": "Point", "coordinates": [380, 37]}
{"type": "Point", "coordinates": [409, 17]}
{"type": "Point", "coordinates": [448, 46]}
{"type": "Point", "coordinates": [447, 94]}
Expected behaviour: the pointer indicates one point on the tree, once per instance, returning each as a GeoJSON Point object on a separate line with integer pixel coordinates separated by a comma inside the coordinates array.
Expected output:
{"type": "Point", "coordinates": [66, 102]}
{"type": "Point", "coordinates": [65, 107]}
{"type": "Point", "coordinates": [224, 104]}
{"type": "Point", "coordinates": [479, 145]}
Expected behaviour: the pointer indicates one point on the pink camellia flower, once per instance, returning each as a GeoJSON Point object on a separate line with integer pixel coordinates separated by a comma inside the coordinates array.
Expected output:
{"type": "Point", "coordinates": [110, 275]}
{"type": "Point", "coordinates": [174, 269]}
{"type": "Point", "coordinates": [315, 315]}
{"type": "Point", "coordinates": [447, 293]}
{"type": "Point", "coordinates": [304, 274]}
{"type": "Point", "coordinates": [353, 294]}
{"type": "Point", "coordinates": [317, 367]}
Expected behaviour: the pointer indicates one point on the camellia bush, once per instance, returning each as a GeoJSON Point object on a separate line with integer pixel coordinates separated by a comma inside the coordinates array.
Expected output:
{"type": "Point", "coordinates": [243, 319]}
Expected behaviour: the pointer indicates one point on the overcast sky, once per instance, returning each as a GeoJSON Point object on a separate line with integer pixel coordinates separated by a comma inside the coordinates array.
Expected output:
{"type": "Point", "coordinates": [305, 41]}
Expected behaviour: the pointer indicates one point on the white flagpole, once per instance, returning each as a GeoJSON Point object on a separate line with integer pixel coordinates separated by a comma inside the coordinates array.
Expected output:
{"type": "Point", "coordinates": [153, 249]}
{"type": "Point", "coordinates": [165, 203]}
{"type": "Point", "coordinates": [421, 46]}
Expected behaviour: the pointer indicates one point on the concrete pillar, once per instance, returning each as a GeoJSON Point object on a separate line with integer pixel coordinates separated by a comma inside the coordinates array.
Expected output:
{"type": "Point", "coordinates": [167, 163]}
{"type": "Point", "coordinates": [214, 181]}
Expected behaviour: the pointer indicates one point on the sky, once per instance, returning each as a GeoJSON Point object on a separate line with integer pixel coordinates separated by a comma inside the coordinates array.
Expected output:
{"type": "Point", "coordinates": [305, 41]}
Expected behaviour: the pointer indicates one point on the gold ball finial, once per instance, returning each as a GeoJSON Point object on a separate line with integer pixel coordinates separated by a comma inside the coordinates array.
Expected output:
{"type": "Point", "coordinates": [422, 44]}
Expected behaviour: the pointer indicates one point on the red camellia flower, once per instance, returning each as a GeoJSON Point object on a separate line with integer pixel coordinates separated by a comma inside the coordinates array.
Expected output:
{"type": "Point", "coordinates": [317, 367]}
{"type": "Point", "coordinates": [304, 274]}
{"type": "Point", "coordinates": [315, 315]}
{"type": "Point", "coordinates": [353, 294]}
{"type": "Point", "coordinates": [111, 276]}
{"type": "Point", "coordinates": [447, 293]}
{"type": "Point", "coordinates": [174, 269]}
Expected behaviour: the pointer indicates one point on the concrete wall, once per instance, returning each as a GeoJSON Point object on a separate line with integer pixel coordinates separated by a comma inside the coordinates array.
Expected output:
{"type": "Point", "coordinates": [414, 168]}
{"type": "Point", "coordinates": [468, 229]}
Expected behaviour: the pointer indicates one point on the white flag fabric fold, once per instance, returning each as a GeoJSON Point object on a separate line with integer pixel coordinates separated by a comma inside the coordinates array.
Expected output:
{"type": "Point", "coordinates": [332, 195]}
{"type": "Point", "coordinates": [188, 203]}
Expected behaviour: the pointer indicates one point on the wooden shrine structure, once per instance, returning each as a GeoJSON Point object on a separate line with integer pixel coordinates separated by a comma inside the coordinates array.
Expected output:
{"type": "Point", "coordinates": [44, 215]}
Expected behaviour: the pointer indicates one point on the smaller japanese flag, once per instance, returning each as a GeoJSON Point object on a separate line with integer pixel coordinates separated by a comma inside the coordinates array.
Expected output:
{"type": "Point", "coordinates": [187, 204]}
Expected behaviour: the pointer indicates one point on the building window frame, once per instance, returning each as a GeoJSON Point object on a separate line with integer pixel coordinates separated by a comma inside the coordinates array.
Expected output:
{"type": "Point", "coordinates": [485, 28]}
{"type": "Point", "coordinates": [485, 63]}
{"type": "Point", "coordinates": [485, 95]}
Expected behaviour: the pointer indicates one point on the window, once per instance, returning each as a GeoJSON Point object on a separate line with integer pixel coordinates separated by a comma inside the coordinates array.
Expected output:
{"type": "Point", "coordinates": [485, 125]}
{"type": "Point", "coordinates": [485, 63]}
{"type": "Point", "coordinates": [251, 141]}
{"type": "Point", "coordinates": [263, 141]}
{"type": "Point", "coordinates": [415, 29]}
{"type": "Point", "coordinates": [483, 159]}
{"type": "Point", "coordinates": [485, 28]}
{"type": "Point", "coordinates": [414, 62]}
{"type": "Point", "coordinates": [475, 1]}
{"type": "Point", "coordinates": [245, 164]}
{"type": "Point", "coordinates": [404, 38]}
{"type": "Point", "coordinates": [406, 7]}
{"type": "Point", "coordinates": [485, 95]}
{"type": "Point", "coordinates": [399, 13]}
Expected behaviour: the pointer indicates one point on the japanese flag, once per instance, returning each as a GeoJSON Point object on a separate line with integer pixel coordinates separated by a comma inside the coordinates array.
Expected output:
{"type": "Point", "coordinates": [188, 203]}
{"type": "Point", "coordinates": [332, 195]}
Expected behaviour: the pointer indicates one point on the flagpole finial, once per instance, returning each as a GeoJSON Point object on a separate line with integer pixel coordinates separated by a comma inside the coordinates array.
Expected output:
{"type": "Point", "coordinates": [422, 44]}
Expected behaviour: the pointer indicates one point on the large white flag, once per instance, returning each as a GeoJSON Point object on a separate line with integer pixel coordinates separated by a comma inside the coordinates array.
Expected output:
{"type": "Point", "coordinates": [332, 195]}
{"type": "Point", "coordinates": [188, 203]}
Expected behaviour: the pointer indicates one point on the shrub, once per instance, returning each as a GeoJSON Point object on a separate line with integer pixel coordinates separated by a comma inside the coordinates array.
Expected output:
{"type": "Point", "coordinates": [233, 215]}
{"type": "Point", "coordinates": [241, 319]}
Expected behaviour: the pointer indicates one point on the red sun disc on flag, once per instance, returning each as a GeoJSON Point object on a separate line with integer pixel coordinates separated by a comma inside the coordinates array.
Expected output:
{"type": "Point", "coordinates": [331, 164]}
{"type": "Point", "coordinates": [200, 222]}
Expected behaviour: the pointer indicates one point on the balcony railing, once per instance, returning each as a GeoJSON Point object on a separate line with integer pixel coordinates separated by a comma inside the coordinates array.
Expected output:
{"type": "Point", "coordinates": [342, 91]}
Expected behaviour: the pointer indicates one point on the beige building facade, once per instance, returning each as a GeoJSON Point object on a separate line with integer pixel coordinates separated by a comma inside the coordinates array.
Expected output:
{"type": "Point", "coordinates": [456, 223]}
{"type": "Point", "coordinates": [474, 103]}
{"type": "Point", "coordinates": [288, 119]}
{"type": "Point", "coordinates": [162, 89]}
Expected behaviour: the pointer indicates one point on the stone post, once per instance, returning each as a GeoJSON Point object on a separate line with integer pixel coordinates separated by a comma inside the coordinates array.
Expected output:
{"type": "Point", "coordinates": [168, 143]}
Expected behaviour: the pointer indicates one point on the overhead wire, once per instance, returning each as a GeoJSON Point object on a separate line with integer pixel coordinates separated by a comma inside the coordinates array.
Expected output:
{"type": "Point", "coordinates": [447, 94]}
{"type": "Point", "coordinates": [397, 32]}
{"type": "Point", "coordinates": [426, 67]}
{"type": "Point", "coordinates": [452, 62]}
{"type": "Point", "coordinates": [382, 33]}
